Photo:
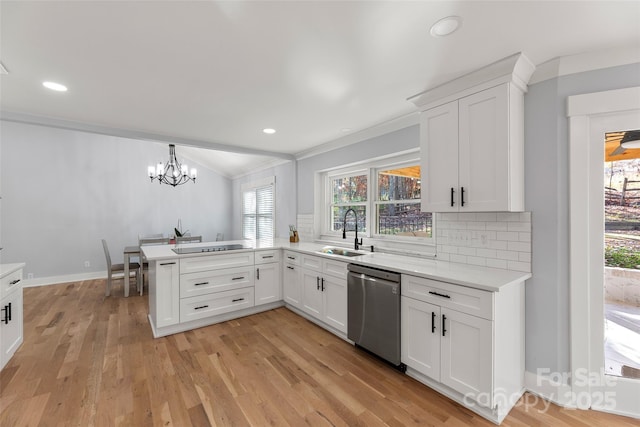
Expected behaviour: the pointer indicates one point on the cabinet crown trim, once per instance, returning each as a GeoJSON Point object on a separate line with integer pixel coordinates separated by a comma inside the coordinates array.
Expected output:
{"type": "Point", "coordinates": [516, 69]}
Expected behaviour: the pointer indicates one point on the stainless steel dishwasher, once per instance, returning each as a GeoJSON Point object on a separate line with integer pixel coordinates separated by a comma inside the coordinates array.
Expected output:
{"type": "Point", "coordinates": [374, 312]}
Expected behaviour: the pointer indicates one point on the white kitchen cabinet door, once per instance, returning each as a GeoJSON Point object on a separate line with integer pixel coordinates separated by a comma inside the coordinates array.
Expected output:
{"type": "Point", "coordinates": [267, 283]}
{"type": "Point", "coordinates": [421, 332]}
{"type": "Point", "coordinates": [11, 329]}
{"type": "Point", "coordinates": [166, 292]}
{"type": "Point", "coordinates": [334, 294]}
{"type": "Point", "coordinates": [292, 285]}
{"type": "Point", "coordinates": [439, 158]}
{"type": "Point", "coordinates": [311, 293]}
{"type": "Point", "coordinates": [484, 150]}
{"type": "Point", "coordinates": [466, 355]}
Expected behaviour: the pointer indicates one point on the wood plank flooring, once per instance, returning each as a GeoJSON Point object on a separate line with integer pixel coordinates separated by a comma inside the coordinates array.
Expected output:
{"type": "Point", "coordinates": [90, 360]}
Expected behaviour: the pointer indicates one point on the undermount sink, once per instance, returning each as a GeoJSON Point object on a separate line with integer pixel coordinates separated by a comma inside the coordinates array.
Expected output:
{"type": "Point", "coordinates": [332, 250]}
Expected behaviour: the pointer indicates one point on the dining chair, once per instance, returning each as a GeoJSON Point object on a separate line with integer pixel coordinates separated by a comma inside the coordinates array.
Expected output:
{"type": "Point", "coordinates": [146, 241]}
{"type": "Point", "coordinates": [189, 239]}
{"type": "Point", "coordinates": [117, 269]}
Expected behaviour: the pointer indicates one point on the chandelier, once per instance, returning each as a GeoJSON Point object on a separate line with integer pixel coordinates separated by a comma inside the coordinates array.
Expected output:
{"type": "Point", "coordinates": [172, 173]}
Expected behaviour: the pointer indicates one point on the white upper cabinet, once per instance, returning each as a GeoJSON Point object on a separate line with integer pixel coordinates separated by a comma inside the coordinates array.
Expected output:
{"type": "Point", "coordinates": [472, 140]}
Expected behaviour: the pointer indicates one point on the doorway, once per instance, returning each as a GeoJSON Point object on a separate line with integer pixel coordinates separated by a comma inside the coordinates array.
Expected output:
{"type": "Point", "coordinates": [591, 117]}
{"type": "Point", "coordinates": [622, 253]}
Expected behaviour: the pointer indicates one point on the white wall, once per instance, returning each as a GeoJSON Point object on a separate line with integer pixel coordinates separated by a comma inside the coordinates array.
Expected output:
{"type": "Point", "coordinates": [62, 191]}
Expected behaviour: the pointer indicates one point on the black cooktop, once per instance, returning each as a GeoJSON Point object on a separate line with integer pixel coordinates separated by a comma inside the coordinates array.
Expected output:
{"type": "Point", "coordinates": [201, 249]}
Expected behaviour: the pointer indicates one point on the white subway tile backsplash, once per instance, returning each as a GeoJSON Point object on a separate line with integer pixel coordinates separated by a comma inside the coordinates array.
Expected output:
{"type": "Point", "coordinates": [519, 246]}
{"type": "Point", "coordinates": [496, 226]}
{"type": "Point", "coordinates": [495, 239]}
{"type": "Point", "coordinates": [508, 236]}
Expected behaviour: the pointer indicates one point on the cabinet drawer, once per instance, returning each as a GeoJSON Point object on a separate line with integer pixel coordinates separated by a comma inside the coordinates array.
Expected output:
{"type": "Point", "coordinates": [265, 257]}
{"type": "Point", "coordinates": [311, 262]}
{"type": "Point", "coordinates": [10, 282]}
{"type": "Point", "coordinates": [335, 268]}
{"type": "Point", "coordinates": [206, 282]}
{"type": "Point", "coordinates": [467, 300]}
{"type": "Point", "coordinates": [214, 304]}
{"type": "Point", "coordinates": [292, 257]}
{"type": "Point", "coordinates": [215, 262]}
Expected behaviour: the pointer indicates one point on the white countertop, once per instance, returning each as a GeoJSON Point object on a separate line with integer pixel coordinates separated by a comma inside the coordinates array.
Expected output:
{"type": "Point", "coordinates": [6, 269]}
{"type": "Point", "coordinates": [485, 278]}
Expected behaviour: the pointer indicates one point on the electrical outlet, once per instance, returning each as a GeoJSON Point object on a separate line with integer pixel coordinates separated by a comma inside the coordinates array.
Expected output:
{"type": "Point", "coordinates": [30, 276]}
{"type": "Point", "coordinates": [87, 264]}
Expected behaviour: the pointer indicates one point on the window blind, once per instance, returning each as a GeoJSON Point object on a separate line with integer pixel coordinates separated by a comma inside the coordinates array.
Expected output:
{"type": "Point", "coordinates": [258, 212]}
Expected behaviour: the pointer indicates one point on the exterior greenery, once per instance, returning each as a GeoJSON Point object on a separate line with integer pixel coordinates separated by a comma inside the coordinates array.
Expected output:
{"type": "Point", "coordinates": [621, 257]}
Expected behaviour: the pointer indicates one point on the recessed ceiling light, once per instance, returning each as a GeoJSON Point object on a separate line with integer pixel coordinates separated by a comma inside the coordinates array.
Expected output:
{"type": "Point", "coordinates": [446, 26]}
{"type": "Point", "coordinates": [55, 86]}
{"type": "Point", "coordinates": [269, 131]}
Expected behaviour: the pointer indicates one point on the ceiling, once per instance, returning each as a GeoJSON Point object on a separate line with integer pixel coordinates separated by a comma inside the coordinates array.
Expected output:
{"type": "Point", "coordinates": [214, 74]}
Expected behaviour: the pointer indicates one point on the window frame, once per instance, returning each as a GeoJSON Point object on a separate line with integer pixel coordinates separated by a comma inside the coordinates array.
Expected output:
{"type": "Point", "coordinates": [254, 186]}
{"type": "Point", "coordinates": [371, 169]}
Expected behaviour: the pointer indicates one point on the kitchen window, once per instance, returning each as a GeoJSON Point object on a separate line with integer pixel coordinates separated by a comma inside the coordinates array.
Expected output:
{"type": "Point", "coordinates": [258, 210]}
{"type": "Point", "coordinates": [386, 197]}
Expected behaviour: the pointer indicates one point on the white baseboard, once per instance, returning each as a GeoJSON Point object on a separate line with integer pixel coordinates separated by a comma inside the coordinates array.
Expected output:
{"type": "Point", "coordinates": [548, 389]}
{"type": "Point", "coordinates": [54, 280]}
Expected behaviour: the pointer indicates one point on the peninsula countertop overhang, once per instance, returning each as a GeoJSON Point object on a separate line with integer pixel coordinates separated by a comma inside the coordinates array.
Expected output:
{"type": "Point", "coordinates": [478, 277]}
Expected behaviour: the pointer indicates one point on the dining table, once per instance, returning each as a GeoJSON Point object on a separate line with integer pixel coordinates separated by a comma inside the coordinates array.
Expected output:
{"type": "Point", "coordinates": [131, 251]}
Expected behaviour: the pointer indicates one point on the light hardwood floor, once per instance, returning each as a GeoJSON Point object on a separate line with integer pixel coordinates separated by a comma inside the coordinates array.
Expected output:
{"type": "Point", "coordinates": [90, 360]}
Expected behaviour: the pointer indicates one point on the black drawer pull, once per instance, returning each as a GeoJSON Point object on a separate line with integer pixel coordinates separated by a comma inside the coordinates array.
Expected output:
{"type": "Point", "coordinates": [238, 278]}
{"type": "Point", "coordinates": [13, 282]}
{"type": "Point", "coordinates": [267, 256]}
{"type": "Point", "coordinates": [440, 295]}
{"type": "Point", "coordinates": [290, 268]}
{"type": "Point", "coordinates": [443, 329]}
{"type": "Point", "coordinates": [433, 322]}
{"type": "Point", "coordinates": [7, 313]}
{"type": "Point", "coordinates": [291, 257]}
{"type": "Point", "coordinates": [168, 263]}
{"type": "Point", "coordinates": [452, 191]}
{"type": "Point", "coordinates": [201, 283]}
{"type": "Point", "coordinates": [237, 299]}
{"type": "Point", "coordinates": [202, 306]}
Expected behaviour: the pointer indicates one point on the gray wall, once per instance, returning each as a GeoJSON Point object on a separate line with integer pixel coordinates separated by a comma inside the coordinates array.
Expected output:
{"type": "Point", "coordinates": [394, 142]}
{"type": "Point", "coordinates": [547, 197]}
{"type": "Point", "coordinates": [285, 198]}
{"type": "Point", "coordinates": [62, 191]}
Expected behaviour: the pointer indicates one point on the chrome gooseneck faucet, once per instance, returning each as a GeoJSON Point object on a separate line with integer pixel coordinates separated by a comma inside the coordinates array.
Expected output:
{"type": "Point", "coordinates": [357, 243]}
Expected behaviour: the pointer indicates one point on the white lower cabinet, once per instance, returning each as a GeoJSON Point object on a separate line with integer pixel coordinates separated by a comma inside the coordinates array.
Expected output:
{"type": "Point", "coordinates": [464, 342]}
{"type": "Point", "coordinates": [449, 346]}
{"type": "Point", "coordinates": [11, 319]}
{"type": "Point", "coordinates": [324, 290]}
{"type": "Point", "coordinates": [268, 286]}
{"type": "Point", "coordinates": [292, 279]}
{"type": "Point", "coordinates": [164, 292]}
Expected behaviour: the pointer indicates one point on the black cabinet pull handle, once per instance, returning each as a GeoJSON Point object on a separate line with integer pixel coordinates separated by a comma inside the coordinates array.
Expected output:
{"type": "Point", "coordinates": [433, 322]}
{"type": "Point", "coordinates": [317, 283]}
{"type": "Point", "coordinates": [322, 285]}
{"type": "Point", "coordinates": [257, 273]}
{"type": "Point", "coordinates": [7, 313]}
{"type": "Point", "coordinates": [291, 257]}
{"type": "Point", "coordinates": [443, 329]}
{"type": "Point", "coordinates": [452, 191]}
{"type": "Point", "coordinates": [461, 196]}
{"type": "Point", "coordinates": [237, 278]}
{"type": "Point", "coordinates": [440, 295]}
{"type": "Point", "coordinates": [267, 256]}
{"type": "Point", "coordinates": [200, 307]}
{"type": "Point", "coordinates": [201, 283]}
{"type": "Point", "coordinates": [13, 282]}
{"type": "Point", "coordinates": [290, 268]}
{"type": "Point", "coordinates": [168, 263]}
{"type": "Point", "coordinates": [237, 299]}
